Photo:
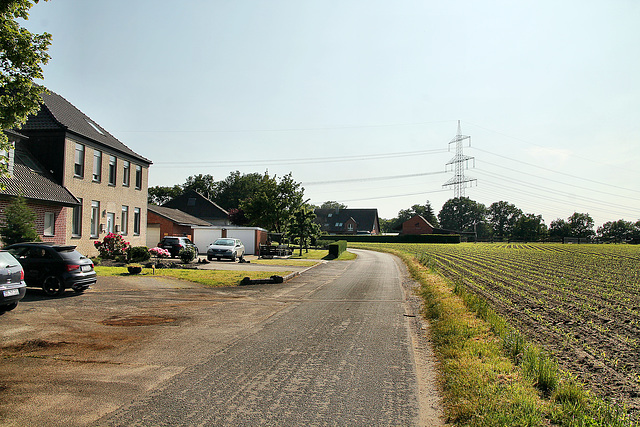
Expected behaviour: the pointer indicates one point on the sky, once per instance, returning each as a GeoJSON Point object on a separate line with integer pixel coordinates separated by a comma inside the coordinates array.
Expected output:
{"type": "Point", "coordinates": [359, 99]}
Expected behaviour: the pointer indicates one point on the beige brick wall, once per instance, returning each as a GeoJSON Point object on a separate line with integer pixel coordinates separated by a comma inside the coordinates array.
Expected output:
{"type": "Point", "coordinates": [111, 197]}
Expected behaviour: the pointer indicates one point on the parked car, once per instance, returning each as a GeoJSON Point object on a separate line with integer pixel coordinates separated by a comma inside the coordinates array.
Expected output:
{"type": "Point", "coordinates": [12, 286]}
{"type": "Point", "coordinates": [53, 267]}
{"type": "Point", "coordinates": [226, 248]}
{"type": "Point", "coordinates": [175, 243]}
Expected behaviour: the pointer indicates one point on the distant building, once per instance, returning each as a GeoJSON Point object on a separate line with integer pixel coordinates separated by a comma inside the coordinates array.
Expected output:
{"type": "Point", "coordinates": [348, 221]}
{"type": "Point", "coordinates": [417, 225]}
{"type": "Point", "coordinates": [163, 221]}
{"type": "Point", "coordinates": [197, 205]}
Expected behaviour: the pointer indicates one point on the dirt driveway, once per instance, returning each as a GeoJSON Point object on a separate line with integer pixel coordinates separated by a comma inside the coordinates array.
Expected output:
{"type": "Point", "coordinates": [81, 352]}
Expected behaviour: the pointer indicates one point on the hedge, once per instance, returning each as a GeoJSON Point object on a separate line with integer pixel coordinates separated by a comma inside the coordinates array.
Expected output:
{"type": "Point", "coordinates": [336, 248]}
{"type": "Point", "coordinates": [401, 238]}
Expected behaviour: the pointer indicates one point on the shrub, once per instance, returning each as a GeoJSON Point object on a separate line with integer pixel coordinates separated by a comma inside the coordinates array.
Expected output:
{"type": "Point", "coordinates": [112, 246]}
{"type": "Point", "coordinates": [19, 225]}
{"type": "Point", "coordinates": [187, 254]}
{"type": "Point", "coordinates": [336, 248]}
{"type": "Point", "coordinates": [139, 254]}
{"type": "Point", "coordinates": [159, 252]}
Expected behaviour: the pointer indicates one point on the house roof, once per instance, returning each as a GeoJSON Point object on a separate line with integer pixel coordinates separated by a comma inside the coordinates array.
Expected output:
{"type": "Point", "coordinates": [366, 219]}
{"type": "Point", "coordinates": [177, 216]}
{"type": "Point", "coordinates": [420, 217]}
{"type": "Point", "coordinates": [58, 113]}
{"type": "Point", "coordinates": [197, 205]}
{"type": "Point", "coordinates": [31, 181]}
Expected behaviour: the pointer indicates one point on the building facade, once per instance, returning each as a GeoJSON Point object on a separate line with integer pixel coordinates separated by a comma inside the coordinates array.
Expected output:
{"type": "Point", "coordinates": [108, 179]}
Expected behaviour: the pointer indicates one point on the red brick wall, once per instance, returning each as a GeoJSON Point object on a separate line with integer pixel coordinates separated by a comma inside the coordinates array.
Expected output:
{"type": "Point", "coordinates": [168, 227]}
{"type": "Point", "coordinates": [60, 228]}
{"type": "Point", "coordinates": [416, 225]}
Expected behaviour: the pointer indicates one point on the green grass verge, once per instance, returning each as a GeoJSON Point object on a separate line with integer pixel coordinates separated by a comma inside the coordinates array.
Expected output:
{"type": "Point", "coordinates": [285, 262]}
{"type": "Point", "coordinates": [491, 376]}
{"type": "Point", "coordinates": [211, 278]}
{"type": "Point", "coordinates": [322, 254]}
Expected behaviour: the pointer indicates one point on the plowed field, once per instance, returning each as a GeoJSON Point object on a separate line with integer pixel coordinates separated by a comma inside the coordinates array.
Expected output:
{"type": "Point", "coordinates": [579, 302]}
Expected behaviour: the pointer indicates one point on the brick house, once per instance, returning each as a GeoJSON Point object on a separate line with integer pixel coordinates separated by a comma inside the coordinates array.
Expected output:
{"type": "Point", "coordinates": [163, 221]}
{"type": "Point", "coordinates": [42, 194]}
{"type": "Point", "coordinates": [107, 179]}
{"type": "Point", "coordinates": [417, 225]}
{"type": "Point", "coordinates": [197, 205]}
{"type": "Point", "coordinates": [348, 221]}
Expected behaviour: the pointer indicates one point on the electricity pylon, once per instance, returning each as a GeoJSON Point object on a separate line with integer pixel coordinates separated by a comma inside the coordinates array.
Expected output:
{"type": "Point", "coordinates": [460, 162]}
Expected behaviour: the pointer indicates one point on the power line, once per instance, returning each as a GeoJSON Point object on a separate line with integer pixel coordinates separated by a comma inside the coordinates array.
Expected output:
{"type": "Point", "coordinates": [381, 178]}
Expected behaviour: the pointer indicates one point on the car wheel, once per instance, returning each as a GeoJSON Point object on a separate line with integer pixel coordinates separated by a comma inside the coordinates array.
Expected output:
{"type": "Point", "coordinates": [8, 307]}
{"type": "Point", "coordinates": [233, 257]}
{"type": "Point", "coordinates": [53, 286]}
{"type": "Point", "coordinates": [209, 258]}
{"type": "Point", "coordinates": [217, 259]}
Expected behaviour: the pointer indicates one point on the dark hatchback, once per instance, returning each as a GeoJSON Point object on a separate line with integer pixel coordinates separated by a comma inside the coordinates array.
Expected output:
{"type": "Point", "coordinates": [175, 243]}
{"type": "Point", "coordinates": [54, 268]}
{"type": "Point", "coordinates": [12, 286]}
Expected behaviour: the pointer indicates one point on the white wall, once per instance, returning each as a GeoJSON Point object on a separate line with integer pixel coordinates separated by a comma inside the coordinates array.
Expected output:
{"type": "Point", "coordinates": [204, 236]}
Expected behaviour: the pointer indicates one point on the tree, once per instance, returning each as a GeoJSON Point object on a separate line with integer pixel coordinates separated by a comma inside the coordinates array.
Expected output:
{"type": "Point", "coordinates": [230, 192]}
{"type": "Point", "coordinates": [19, 225]}
{"type": "Point", "coordinates": [618, 231]}
{"type": "Point", "coordinates": [530, 227]}
{"type": "Point", "coordinates": [502, 217]}
{"type": "Point", "coordinates": [203, 184]}
{"type": "Point", "coordinates": [22, 56]}
{"type": "Point", "coordinates": [274, 203]}
{"type": "Point", "coordinates": [161, 195]}
{"type": "Point", "coordinates": [332, 205]}
{"type": "Point", "coordinates": [303, 225]}
{"type": "Point", "coordinates": [581, 225]}
{"type": "Point", "coordinates": [237, 217]}
{"type": "Point", "coordinates": [559, 228]}
{"type": "Point", "coordinates": [461, 214]}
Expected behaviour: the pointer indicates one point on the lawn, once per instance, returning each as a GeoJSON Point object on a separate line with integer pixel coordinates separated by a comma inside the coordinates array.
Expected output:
{"type": "Point", "coordinates": [211, 278]}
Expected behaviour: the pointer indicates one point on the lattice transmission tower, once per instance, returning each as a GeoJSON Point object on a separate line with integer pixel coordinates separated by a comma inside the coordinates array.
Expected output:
{"type": "Point", "coordinates": [459, 163]}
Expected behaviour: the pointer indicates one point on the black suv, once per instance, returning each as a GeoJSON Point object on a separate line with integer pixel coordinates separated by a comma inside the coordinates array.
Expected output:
{"type": "Point", "coordinates": [54, 267]}
{"type": "Point", "coordinates": [174, 243]}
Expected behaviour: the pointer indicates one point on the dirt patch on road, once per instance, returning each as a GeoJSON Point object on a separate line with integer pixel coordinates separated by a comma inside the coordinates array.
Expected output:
{"type": "Point", "coordinates": [137, 320]}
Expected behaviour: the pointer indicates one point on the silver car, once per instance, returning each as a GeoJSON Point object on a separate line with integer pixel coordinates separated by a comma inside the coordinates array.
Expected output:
{"type": "Point", "coordinates": [229, 248]}
{"type": "Point", "coordinates": [12, 285]}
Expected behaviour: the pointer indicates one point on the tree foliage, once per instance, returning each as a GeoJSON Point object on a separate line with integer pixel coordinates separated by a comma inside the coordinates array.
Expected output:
{"type": "Point", "coordinates": [19, 225]}
{"type": "Point", "coordinates": [160, 195]}
{"type": "Point", "coordinates": [203, 184]}
{"type": "Point", "coordinates": [530, 227]}
{"type": "Point", "coordinates": [577, 225]}
{"type": "Point", "coordinates": [461, 214]}
{"type": "Point", "coordinates": [274, 202]}
{"type": "Point", "coordinates": [502, 217]}
{"type": "Point", "coordinates": [303, 227]}
{"type": "Point", "coordinates": [330, 204]}
{"type": "Point", "coordinates": [22, 56]}
{"type": "Point", "coordinates": [231, 191]}
{"type": "Point", "coordinates": [619, 231]}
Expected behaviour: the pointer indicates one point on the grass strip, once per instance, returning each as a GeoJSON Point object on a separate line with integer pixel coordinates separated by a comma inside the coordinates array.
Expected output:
{"type": "Point", "coordinates": [211, 278]}
{"type": "Point", "coordinates": [491, 375]}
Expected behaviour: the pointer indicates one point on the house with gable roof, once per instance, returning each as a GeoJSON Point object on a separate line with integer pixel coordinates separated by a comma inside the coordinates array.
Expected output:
{"type": "Point", "coordinates": [106, 179]}
{"type": "Point", "coordinates": [202, 207]}
{"type": "Point", "coordinates": [348, 221]}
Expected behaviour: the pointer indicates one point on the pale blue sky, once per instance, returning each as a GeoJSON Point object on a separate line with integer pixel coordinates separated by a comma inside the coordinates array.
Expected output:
{"type": "Point", "coordinates": [354, 90]}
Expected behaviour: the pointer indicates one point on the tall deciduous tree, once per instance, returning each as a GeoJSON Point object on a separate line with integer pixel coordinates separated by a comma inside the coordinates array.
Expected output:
{"type": "Point", "coordinates": [461, 214]}
{"type": "Point", "coordinates": [330, 204]}
{"type": "Point", "coordinates": [619, 231]}
{"type": "Point", "coordinates": [303, 226]}
{"type": "Point", "coordinates": [231, 191]}
{"type": "Point", "coordinates": [530, 227]}
{"type": "Point", "coordinates": [19, 225]}
{"type": "Point", "coordinates": [160, 195]}
{"type": "Point", "coordinates": [502, 217]}
{"type": "Point", "coordinates": [203, 184]}
{"type": "Point", "coordinates": [274, 203]}
{"type": "Point", "coordinates": [22, 56]}
{"type": "Point", "coordinates": [581, 225]}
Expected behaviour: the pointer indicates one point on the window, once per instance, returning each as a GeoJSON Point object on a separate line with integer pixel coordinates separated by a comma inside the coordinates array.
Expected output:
{"type": "Point", "coordinates": [76, 225]}
{"type": "Point", "coordinates": [49, 224]}
{"type": "Point", "coordinates": [126, 173]}
{"type": "Point", "coordinates": [138, 177]}
{"type": "Point", "coordinates": [136, 221]}
{"type": "Point", "coordinates": [97, 165]}
{"type": "Point", "coordinates": [95, 218]}
{"type": "Point", "coordinates": [111, 220]}
{"type": "Point", "coordinates": [124, 220]}
{"type": "Point", "coordinates": [112, 170]}
{"type": "Point", "coordinates": [79, 162]}
{"type": "Point", "coordinates": [350, 227]}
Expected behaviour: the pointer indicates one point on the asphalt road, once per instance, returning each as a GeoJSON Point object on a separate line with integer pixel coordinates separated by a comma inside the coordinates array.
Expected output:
{"type": "Point", "coordinates": [339, 345]}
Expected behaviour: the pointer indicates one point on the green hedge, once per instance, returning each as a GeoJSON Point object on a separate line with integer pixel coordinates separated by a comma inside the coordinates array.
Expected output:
{"type": "Point", "coordinates": [402, 238]}
{"type": "Point", "coordinates": [336, 248]}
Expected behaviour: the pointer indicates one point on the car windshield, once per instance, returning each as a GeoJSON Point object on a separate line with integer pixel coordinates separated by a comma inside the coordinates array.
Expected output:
{"type": "Point", "coordinates": [171, 240]}
{"type": "Point", "coordinates": [224, 242]}
{"type": "Point", "coordinates": [71, 254]}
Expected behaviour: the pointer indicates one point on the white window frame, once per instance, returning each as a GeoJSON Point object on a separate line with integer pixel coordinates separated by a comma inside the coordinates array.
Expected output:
{"type": "Point", "coordinates": [126, 172]}
{"type": "Point", "coordinates": [49, 224]}
{"type": "Point", "coordinates": [97, 165]}
{"type": "Point", "coordinates": [124, 220]}
{"type": "Point", "coordinates": [95, 219]}
{"type": "Point", "coordinates": [78, 166]}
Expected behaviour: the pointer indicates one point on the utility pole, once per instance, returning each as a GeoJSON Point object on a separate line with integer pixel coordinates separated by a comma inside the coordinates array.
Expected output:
{"type": "Point", "coordinates": [460, 162]}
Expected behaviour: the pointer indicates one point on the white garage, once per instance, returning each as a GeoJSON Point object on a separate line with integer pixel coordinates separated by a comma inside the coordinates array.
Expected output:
{"type": "Point", "coordinates": [251, 237]}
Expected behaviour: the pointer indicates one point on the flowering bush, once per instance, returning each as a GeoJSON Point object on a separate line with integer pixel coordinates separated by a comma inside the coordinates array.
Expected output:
{"type": "Point", "coordinates": [159, 252]}
{"type": "Point", "coordinates": [112, 246]}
